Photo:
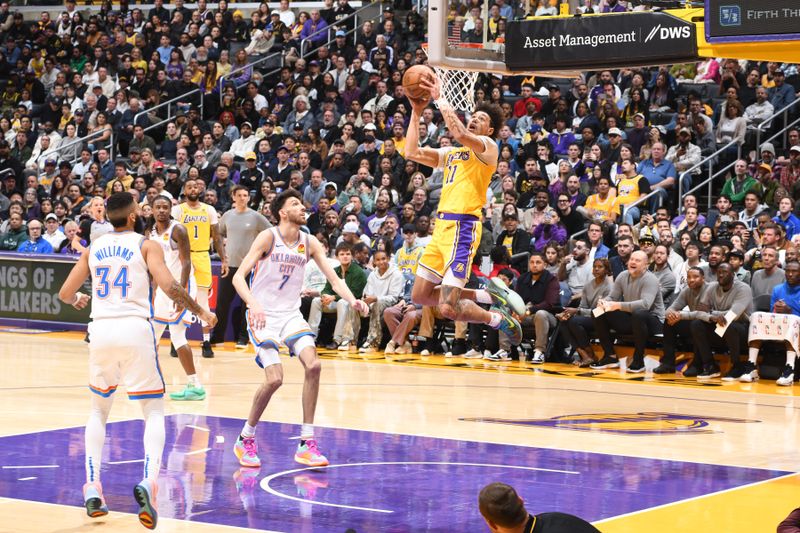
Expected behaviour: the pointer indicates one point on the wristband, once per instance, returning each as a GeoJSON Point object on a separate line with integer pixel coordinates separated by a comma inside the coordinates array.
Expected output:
{"type": "Point", "coordinates": [442, 103]}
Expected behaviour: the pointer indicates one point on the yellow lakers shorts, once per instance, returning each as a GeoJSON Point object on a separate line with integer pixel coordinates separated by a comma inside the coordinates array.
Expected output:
{"type": "Point", "coordinates": [448, 257]}
{"type": "Point", "coordinates": [201, 262]}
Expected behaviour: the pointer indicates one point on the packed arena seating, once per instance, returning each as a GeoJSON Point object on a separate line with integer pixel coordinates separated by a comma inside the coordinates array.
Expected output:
{"type": "Point", "coordinates": [693, 164]}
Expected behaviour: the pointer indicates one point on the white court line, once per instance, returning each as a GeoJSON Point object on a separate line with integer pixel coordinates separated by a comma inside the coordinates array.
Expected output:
{"type": "Point", "coordinates": [204, 450]}
{"type": "Point", "coordinates": [126, 462]}
{"type": "Point", "coordinates": [27, 478]}
{"type": "Point", "coordinates": [266, 481]}
{"type": "Point", "coordinates": [10, 467]}
{"type": "Point", "coordinates": [199, 428]}
{"type": "Point", "coordinates": [723, 491]}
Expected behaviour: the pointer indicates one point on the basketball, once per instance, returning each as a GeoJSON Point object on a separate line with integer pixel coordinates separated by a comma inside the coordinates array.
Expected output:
{"type": "Point", "coordinates": [412, 79]}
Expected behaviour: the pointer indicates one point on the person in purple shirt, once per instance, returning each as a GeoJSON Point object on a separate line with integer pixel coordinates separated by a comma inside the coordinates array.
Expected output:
{"type": "Point", "coordinates": [312, 26]}
{"type": "Point", "coordinates": [549, 231]}
{"type": "Point", "coordinates": [35, 243]}
{"type": "Point", "coordinates": [70, 246]}
{"type": "Point", "coordinates": [613, 6]}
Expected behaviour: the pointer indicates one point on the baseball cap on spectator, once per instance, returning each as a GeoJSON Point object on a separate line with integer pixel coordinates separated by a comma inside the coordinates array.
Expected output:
{"type": "Point", "coordinates": [274, 13]}
{"type": "Point", "coordinates": [766, 167]}
{"type": "Point", "coordinates": [738, 223]}
{"type": "Point", "coordinates": [313, 63]}
{"type": "Point", "coordinates": [647, 237]}
{"type": "Point", "coordinates": [640, 115]}
{"type": "Point", "coordinates": [779, 72]}
{"type": "Point", "coordinates": [338, 141]}
{"type": "Point", "coordinates": [736, 253]}
{"type": "Point", "coordinates": [535, 128]}
{"type": "Point", "coordinates": [340, 33]}
{"type": "Point", "coordinates": [388, 9]}
{"type": "Point", "coordinates": [282, 147]}
{"type": "Point", "coordinates": [370, 127]}
{"type": "Point", "coordinates": [10, 177]}
{"type": "Point", "coordinates": [661, 129]}
{"type": "Point", "coordinates": [51, 216]}
{"type": "Point", "coordinates": [250, 156]}
{"type": "Point", "coordinates": [280, 86]}
{"type": "Point", "coordinates": [768, 147]}
{"type": "Point", "coordinates": [50, 161]}
{"type": "Point", "coordinates": [172, 168]}
{"type": "Point", "coordinates": [298, 126]}
{"type": "Point", "coordinates": [685, 130]}
{"type": "Point", "coordinates": [331, 185]}
{"type": "Point", "coordinates": [78, 112]}
{"type": "Point", "coordinates": [795, 149]}
{"type": "Point", "coordinates": [158, 164]}
{"type": "Point", "coordinates": [269, 122]}
{"type": "Point", "coordinates": [350, 227]}
{"type": "Point", "coordinates": [237, 13]}
{"type": "Point", "coordinates": [409, 228]}
{"type": "Point", "coordinates": [510, 216]}
{"type": "Point", "coordinates": [246, 123]}
{"type": "Point", "coordinates": [614, 131]}
{"type": "Point", "coordinates": [135, 150]}
{"type": "Point", "coordinates": [553, 87]}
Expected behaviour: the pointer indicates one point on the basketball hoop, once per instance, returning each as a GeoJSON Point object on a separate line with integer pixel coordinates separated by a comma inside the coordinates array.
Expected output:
{"type": "Point", "coordinates": [458, 86]}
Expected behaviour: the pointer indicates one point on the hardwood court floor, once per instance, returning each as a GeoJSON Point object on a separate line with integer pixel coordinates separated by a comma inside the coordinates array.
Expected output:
{"type": "Point", "coordinates": [419, 436]}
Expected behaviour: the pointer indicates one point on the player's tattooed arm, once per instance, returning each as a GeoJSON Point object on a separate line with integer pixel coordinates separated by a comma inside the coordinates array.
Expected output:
{"type": "Point", "coordinates": [182, 298]}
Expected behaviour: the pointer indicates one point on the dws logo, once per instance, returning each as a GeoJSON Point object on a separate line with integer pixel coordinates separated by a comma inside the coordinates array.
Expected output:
{"type": "Point", "coordinates": [663, 33]}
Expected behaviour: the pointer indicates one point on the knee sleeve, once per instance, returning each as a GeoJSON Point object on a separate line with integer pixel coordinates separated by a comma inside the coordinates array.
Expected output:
{"type": "Point", "coordinates": [177, 334]}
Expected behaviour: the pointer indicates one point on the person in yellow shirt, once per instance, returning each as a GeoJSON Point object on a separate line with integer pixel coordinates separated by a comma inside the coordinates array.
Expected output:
{"type": "Point", "coordinates": [398, 138]}
{"type": "Point", "coordinates": [630, 188]}
{"type": "Point", "coordinates": [444, 267]}
{"type": "Point", "coordinates": [601, 207]}
{"type": "Point", "coordinates": [202, 224]}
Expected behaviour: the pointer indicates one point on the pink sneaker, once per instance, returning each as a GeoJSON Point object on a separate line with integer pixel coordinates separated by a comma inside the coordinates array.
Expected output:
{"type": "Point", "coordinates": [308, 454]}
{"type": "Point", "coordinates": [246, 451]}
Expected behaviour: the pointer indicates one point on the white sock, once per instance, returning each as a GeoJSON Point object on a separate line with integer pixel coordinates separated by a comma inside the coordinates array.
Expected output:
{"type": "Point", "coordinates": [193, 381]}
{"type": "Point", "coordinates": [494, 322]}
{"type": "Point", "coordinates": [95, 435]}
{"type": "Point", "coordinates": [753, 357]}
{"type": "Point", "coordinates": [206, 337]}
{"type": "Point", "coordinates": [483, 297]}
{"type": "Point", "coordinates": [790, 357]}
{"type": "Point", "coordinates": [154, 436]}
{"type": "Point", "coordinates": [248, 430]}
{"type": "Point", "coordinates": [307, 431]}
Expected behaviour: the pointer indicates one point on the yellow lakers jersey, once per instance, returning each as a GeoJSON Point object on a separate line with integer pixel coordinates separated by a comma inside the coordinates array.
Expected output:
{"type": "Point", "coordinates": [466, 179]}
{"type": "Point", "coordinates": [198, 222]}
{"type": "Point", "coordinates": [407, 259]}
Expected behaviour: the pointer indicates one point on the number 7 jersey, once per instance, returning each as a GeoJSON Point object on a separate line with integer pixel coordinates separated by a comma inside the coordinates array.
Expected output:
{"type": "Point", "coordinates": [120, 279]}
{"type": "Point", "coordinates": [277, 278]}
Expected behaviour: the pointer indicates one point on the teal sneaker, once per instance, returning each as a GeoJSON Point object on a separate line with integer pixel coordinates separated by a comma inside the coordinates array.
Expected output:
{"type": "Point", "coordinates": [145, 494]}
{"type": "Point", "coordinates": [502, 296]}
{"type": "Point", "coordinates": [509, 326]}
{"type": "Point", "coordinates": [93, 499]}
{"type": "Point", "coordinates": [189, 394]}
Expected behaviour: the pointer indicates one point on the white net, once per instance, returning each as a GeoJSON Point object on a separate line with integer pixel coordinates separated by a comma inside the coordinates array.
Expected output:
{"type": "Point", "coordinates": [458, 87]}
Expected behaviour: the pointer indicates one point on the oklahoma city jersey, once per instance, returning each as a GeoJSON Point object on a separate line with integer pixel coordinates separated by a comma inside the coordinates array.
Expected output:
{"type": "Point", "coordinates": [277, 279]}
{"type": "Point", "coordinates": [171, 256]}
{"type": "Point", "coordinates": [466, 179]}
{"type": "Point", "coordinates": [120, 280]}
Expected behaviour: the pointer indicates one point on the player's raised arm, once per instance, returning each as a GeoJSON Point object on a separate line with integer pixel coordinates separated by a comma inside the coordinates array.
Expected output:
{"type": "Point", "coordinates": [154, 257]}
{"type": "Point", "coordinates": [69, 290]}
{"type": "Point", "coordinates": [337, 283]}
{"type": "Point", "coordinates": [477, 143]}
{"type": "Point", "coordinates": [261, 245]}
{"type": "Point", "coordinates": [424, 156]}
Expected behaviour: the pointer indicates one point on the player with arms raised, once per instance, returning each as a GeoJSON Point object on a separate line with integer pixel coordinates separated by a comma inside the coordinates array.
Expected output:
{"type": "Point", "coordinates": [122, 344]}
{"type": "Point", "coordinates": [279, 256]}
{"type": "Point", "coordinates": [445, 265]}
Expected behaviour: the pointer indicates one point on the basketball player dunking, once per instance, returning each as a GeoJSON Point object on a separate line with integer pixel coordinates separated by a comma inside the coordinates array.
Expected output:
{"type": "Point", "coordinates": [279, 256]}
{"type": "Point", "coordinates": [122, 345]}
{"type": "Point", "coordinates": [445, 266]}
{"type": "Point", "coordinates": [174, 241]}
{"type": "Point", "coordinates": [202, 224]}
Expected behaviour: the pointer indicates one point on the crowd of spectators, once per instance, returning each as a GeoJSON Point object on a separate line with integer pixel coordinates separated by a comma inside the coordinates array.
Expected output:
{"type": "Point", "coordinates": [586, 189]}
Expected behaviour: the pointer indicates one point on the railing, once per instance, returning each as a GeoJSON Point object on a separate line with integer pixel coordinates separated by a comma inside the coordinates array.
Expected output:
{"type": "Point", "coordinates": [88, 140]}
{"type": "Point", "coordinates": [763, 125]}
{"type": "Point", "coordinates": [639, 201]}
{"type": "Point", "coordinates": [707, 160]}
{"type": "Point", "coordinates": [221, 80]}
{"type": "Point", "coordinates": [168, 103]}
{"type": "Point", "coordinates": [711, 175]}
{"type": "Point", "coordinates": [334, 27]}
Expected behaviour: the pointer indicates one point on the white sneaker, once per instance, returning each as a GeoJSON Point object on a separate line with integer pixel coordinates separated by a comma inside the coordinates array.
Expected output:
{"type": "Point", "coordinates": [448, 355]}
{"type": "Point", "coordinates": [368, 348]}
{"type": "Point", "coordinates": [499, 355]}
{"type": "Point", "coordinates": [538, 357]}
{"type": "Point", "coordinates": [487, 354]}
{"type": "Point", "coordinates": [390, 348]}
{"type": "Point", "coordinates": [787, 377]}
{"type": "Point", "coordinates": [405, 348]}
{"type": "Point", "coordinates": [750, 373]}
{"type": "Point", "coordinates": [425, 352]}
{"type": "Point", "coordinates": [472, 354]}
{"type": "Point", "coordinates": [344, 346]}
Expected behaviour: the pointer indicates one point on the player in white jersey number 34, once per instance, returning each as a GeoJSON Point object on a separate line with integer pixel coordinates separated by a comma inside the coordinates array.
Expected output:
{"type": "Point", "coordinates": [122, 344]}
{"type": "Point", "coordinates": [278, 259]}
